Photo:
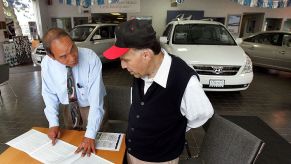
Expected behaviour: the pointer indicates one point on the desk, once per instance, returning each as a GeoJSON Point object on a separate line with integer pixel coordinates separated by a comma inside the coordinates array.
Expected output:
{"type": "Point", "coordinates": [12, 155]}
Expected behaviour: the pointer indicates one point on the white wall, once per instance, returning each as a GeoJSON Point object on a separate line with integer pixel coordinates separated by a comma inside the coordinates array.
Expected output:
{"type": "Point", "coordinates": [158, 10]}
{"type": "Point", "coordinates": [42, 16]}
{"type": "Point", "coordinates": [212, 8]}
{"type": "Point", "coordinates": [58, 10]}
{"type": "Point", "coordinates": [2, 39]}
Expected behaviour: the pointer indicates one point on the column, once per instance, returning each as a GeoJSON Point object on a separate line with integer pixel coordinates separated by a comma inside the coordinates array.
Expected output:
{"type": "Point", "coordinates": [2, 38]}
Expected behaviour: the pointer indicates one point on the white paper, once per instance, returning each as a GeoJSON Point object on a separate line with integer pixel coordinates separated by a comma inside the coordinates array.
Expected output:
{"type": "Point", "coordinates": [39, 146]}
{"type": "Point", "coordinates": [109, 141]}
{"type": "Point", "coordinates": [29, 141]}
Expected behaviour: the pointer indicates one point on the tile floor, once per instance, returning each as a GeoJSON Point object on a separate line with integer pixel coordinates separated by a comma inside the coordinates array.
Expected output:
{"type": "Point", "coordinates": [268, 98]}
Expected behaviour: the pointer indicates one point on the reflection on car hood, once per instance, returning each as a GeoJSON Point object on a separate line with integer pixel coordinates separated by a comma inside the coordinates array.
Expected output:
{"type": "Point", "coordinates": [210, 55]}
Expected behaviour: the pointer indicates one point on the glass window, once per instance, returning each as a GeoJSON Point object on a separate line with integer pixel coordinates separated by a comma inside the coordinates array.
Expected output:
{"type": "Point", "coordinates": [64, 23]}
{"type": "Point", "coordinates": [106, 32]}
{"type": "Point", "coordinates": [168, 31]}
{"type": "Point", "coordinates": [80, 33]}
{"type": "Point", "coordinates": [80, 20]}
{"type": "Point", "coordinates": [268, 39]}
{"type": "Point", "coordinates": [205, 34]}
{"type": "Point", "coordinates": [287, 40]}
{"type": "Point", "coordinates": [251, 39]}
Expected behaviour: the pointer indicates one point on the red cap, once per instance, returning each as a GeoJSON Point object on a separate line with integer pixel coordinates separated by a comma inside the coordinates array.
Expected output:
{"type": "Point", "coordinates": [114, 52]}
{"type": "Point", "coordinates": [131, 34]}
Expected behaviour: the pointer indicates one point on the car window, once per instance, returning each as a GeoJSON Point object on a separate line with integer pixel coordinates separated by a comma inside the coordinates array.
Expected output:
{"type": "Point", "coordinates": [106, 32]}
{"type": "Point", "coordinates": [267, 39]}
{"type": "Point", "coordinates": [206, 34]}
{"type": "Point", "coordinates": [287, 40]}
{"type": "Point", "coordinates": [80, 33]}
{"type": "Point", "coordinates": [168, 31]}
{"type": "Point", "coordinates": [250, 39]}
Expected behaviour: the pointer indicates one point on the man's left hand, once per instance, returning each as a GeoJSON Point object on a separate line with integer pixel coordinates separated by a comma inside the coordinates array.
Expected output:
{"type": "Point", "coordinates": [87, 146]}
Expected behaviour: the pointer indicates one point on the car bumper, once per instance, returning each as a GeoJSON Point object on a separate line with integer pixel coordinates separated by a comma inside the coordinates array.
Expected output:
{"type": "Point", "coordinates": [231, 83]}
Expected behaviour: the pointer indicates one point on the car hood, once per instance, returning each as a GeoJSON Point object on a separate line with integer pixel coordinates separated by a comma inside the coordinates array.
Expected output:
{"type": "Point", "coordinates": [209, 54]}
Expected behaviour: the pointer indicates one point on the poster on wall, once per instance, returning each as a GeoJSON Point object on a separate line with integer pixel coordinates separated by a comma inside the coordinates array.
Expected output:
{"type": "Point", "coordinates": [33, 30]}
{"type": "Point", "coordinates": [233, 24]}
{"type": "Point", "coordinates": [184, 14]}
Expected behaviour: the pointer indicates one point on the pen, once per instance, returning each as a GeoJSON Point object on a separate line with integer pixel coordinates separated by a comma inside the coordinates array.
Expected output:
{"type": "Point", "coordinates": [79, 86]}
{"type": "Point", "coordinates": [117, 141]}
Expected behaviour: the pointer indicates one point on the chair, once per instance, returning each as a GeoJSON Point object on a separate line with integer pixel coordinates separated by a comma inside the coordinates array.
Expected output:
{"type": "Point", "coordinates": [117, 104]}
{"type": "Point", "coordinates": [4, 77]}
{"type": "Point", "coordinates": [227, 143]}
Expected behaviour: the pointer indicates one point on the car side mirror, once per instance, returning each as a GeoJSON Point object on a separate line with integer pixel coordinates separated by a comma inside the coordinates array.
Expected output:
{"type": "Point", "coordinates": [238, 41]}
{"type": "Point", "coordinates": [164, 40]}
{"type": "Point", "coordinates": [96, 37]}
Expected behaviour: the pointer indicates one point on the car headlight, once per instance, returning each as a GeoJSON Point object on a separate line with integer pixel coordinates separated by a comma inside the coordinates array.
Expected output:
{"type": "Point", "coordinates": [248, 68]}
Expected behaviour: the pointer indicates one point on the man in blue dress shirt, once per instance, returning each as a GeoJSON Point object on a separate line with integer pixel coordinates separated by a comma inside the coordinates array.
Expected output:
{"type": "Point", "coordinates": [85, 68]}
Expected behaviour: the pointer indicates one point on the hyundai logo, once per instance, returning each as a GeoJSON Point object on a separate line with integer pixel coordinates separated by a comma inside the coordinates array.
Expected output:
{"type": "Point", "coordinates": [217, 69]}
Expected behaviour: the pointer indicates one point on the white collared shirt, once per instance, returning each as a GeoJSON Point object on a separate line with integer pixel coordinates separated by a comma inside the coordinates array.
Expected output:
{"type": "Point", "coordinates": [88, 83]}
{"type": "Point", "coordinates": [195, 105]}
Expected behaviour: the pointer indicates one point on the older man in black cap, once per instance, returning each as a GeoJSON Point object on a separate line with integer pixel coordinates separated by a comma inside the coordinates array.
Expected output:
{"type": "Point", "coordinates": [167, 98]}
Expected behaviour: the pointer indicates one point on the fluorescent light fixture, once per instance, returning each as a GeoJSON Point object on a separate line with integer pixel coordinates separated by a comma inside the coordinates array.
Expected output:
{"type": "Point", "coordinates": [115, 13]}
{"type": "Point", "coordinates": [119, 18]}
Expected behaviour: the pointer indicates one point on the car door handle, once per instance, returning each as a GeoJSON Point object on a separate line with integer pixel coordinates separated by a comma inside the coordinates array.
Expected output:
{"type": "Point", "coordinates": [282, 52]}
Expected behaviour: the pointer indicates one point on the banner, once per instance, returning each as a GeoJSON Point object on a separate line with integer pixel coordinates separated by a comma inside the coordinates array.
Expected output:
{"type": "Point", "coordinates": [123, 6]}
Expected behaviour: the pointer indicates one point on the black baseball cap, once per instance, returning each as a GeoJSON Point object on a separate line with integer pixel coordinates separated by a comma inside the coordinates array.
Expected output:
{"type": "Point", "coordinates": [131, 34]}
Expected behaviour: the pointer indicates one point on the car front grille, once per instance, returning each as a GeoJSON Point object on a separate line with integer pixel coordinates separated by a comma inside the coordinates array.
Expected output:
{"type": "Point", "coordinates": [40, 51]}
{"type": "Point", "coordinates": [216, 70]}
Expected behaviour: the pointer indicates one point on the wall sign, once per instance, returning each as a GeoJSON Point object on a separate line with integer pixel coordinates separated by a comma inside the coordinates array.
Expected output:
{"type": "Point", "coordinates": [106, 6]}
{"type": "Point", "coordinates": [123, 6]}
{"type": "Point", "coordinates": [233, 24]}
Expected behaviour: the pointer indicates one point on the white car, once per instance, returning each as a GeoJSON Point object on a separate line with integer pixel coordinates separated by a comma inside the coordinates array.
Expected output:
{"type": "Point", "coordinates": [270, 49]}
{"type": "Point", "coordinates": [97, 37]}
{"type": "Point", "coordinates": [211, 50]}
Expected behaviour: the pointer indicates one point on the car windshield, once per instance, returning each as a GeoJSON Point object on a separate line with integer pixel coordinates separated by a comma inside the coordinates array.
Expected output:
{"type": "Point", "coordinates": [80, 33]}
{"type": "Point", "coordinates": [202, 34]}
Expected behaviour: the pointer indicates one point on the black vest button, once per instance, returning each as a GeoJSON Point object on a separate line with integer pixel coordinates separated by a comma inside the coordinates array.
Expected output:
{"type": "Point", "coordinates": [129, 140]}
{"type": "Point", "coordinates": [132, 129]}
{"type": "Point", "coordinates": [142, 103]}
{"type": "Point", "coordinates": [129, 149]}
{"type": "Point", "coordinates": [137, 116]}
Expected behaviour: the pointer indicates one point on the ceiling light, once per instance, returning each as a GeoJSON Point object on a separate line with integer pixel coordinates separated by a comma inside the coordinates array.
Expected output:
{"type": "Point", "coordinates": [115, 13]}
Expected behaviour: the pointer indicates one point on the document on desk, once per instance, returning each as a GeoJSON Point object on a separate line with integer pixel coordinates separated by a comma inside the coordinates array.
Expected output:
{"type": "Point", "coordinates": [109, 141]}
{"type": "Point", "coordinates": [39, 146]}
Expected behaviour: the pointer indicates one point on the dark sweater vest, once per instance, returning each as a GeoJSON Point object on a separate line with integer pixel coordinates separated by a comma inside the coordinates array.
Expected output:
{"type": "Point", "coordinates": [156, 128]}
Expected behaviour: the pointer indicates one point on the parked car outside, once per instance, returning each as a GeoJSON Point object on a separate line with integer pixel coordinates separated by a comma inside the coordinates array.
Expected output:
{"type": "Point", "coordinates": [271, 49]}
{"type": "Point", "coordinates": [211, 50]}
{"type": "Point", "coordinates": [97, 37]}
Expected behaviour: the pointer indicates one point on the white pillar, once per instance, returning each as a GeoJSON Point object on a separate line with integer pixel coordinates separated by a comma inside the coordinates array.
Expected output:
{"type": "Point", "coordinates": [2, 38]}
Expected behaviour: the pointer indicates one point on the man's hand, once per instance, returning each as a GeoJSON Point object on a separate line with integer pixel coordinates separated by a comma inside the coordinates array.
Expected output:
{"type": "Point", "coordinates": [54, 133]}
{"type": "Point", "coordinates": [87, 146]}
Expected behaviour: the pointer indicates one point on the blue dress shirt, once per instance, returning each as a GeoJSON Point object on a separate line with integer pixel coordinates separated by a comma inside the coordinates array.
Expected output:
{"type": "Point", "coordinates": [89, 87]}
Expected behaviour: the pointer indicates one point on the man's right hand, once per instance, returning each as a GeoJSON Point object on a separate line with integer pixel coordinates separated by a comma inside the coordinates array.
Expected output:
{"type": "Point", "coordinates": [54, 133]}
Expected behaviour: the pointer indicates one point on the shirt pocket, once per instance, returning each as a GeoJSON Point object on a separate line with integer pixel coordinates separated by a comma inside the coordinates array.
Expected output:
{"type": "Point", "coordinates": [83, 94]}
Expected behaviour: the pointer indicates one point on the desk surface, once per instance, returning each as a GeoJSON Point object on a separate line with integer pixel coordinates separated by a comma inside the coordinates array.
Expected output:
{"type": "Point", "coordinates": [12, 155]}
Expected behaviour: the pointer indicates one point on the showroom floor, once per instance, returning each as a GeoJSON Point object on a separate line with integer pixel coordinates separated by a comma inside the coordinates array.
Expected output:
{"type": "Point", "coordinates": [268, 98]}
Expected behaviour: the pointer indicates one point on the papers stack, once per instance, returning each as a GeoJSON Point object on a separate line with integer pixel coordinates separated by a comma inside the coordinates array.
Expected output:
{"type": "Point", "coordinates": [39, 146]}
{"type": "Point", "coordinates": [109, 141]}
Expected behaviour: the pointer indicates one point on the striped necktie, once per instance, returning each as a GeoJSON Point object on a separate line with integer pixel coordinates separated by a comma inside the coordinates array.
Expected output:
{"type": "Point", "coordinates": [73, 101]}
